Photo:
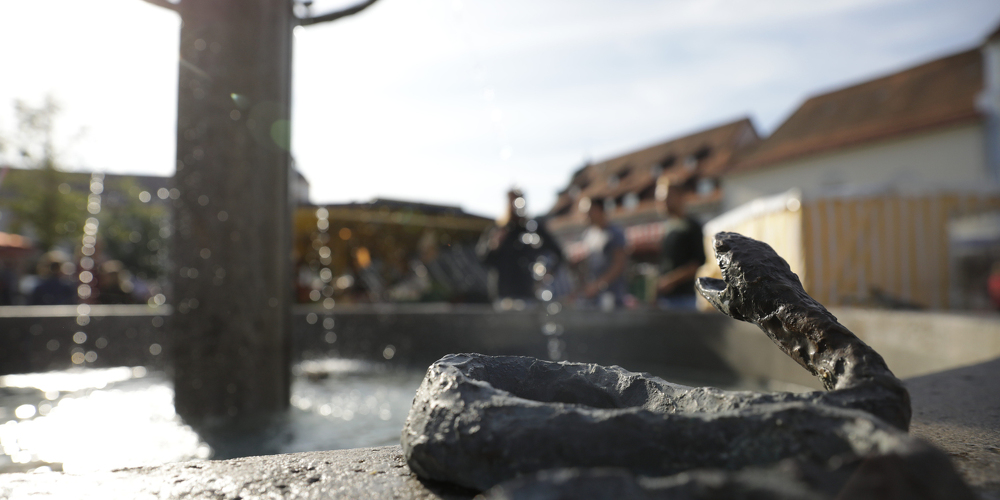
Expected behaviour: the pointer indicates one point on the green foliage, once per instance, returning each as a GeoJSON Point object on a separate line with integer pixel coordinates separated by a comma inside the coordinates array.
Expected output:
{"type": "Point", "coordinates": [43, 204]}
{"type": "Point", "coordinates": [134, 232]}
{"type": "Point", "coordinates": [51, 206]}
{"type": "Point", "coordinates": [41, 210]}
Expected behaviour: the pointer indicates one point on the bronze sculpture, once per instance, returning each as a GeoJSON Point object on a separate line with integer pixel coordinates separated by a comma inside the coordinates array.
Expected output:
{"type": "Point", "coordinates": [479, 421]}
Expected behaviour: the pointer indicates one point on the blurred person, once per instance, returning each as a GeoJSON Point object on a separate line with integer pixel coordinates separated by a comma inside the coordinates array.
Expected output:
{"type": "Point", "coordinates": [512, 248]}
{"type": "Point", "coordinates": [682, 250]}
{"type": "Point", "coordinates": [115, 284]}
{"type": "Point", "coordinates": [993, 285]}
{"type": "Point", "coordinates": [606, 259]}
{"type": "Point", "coordinates": [54, 288]}
{"type": "Point", "coordinates": [8, 283]}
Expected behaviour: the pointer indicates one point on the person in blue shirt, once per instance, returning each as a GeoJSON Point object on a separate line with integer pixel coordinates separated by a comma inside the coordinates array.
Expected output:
{"type": "Point", "coordinates": [54, 289]}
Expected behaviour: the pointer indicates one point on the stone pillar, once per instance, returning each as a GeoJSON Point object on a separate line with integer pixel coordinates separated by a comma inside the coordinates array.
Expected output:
{"type": "Point", "coordinates": [231, 244]}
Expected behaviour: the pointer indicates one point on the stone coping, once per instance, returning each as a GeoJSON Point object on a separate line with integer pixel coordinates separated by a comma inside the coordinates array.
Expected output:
{"type": "Point", "coordinates": [956, 410]}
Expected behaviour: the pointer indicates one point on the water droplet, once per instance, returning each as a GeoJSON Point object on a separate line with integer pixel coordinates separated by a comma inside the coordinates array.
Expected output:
{"type": "Point", "coordinates": [203, 200]}
{"type": "Point", "coordinates": [79, 337]}
{"type": "Point", "coordinates": [24, 411]}
{"type": "Point", "coordinates": [155, 349]}
{"type": "Point", "coordinates": [388, 352]}
{"type": "Point", "coordinates": [145, 197]}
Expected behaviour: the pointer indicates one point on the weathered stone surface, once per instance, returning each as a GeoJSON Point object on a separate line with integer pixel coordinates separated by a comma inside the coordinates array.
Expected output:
{"type": "Point", "coordinates": [480, 420]}
{"type": "Point", "coordinates": [912, 473]}
{"type": "Point", "coordinates": [366, 473]}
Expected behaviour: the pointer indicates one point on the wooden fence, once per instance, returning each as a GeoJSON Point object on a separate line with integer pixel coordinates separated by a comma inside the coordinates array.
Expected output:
{"type": "Point", "coordinates": [859, 248]}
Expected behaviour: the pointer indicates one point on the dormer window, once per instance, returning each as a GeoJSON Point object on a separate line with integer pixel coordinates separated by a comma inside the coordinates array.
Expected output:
{"type": "Point", "coordinates": [690, 162]}
{"type": "Point", "coordinates": [706, 186]}
{"type": "Point", "coordinates": [623, 173]}
{"type": "Point", "coordinates": [630, 202]}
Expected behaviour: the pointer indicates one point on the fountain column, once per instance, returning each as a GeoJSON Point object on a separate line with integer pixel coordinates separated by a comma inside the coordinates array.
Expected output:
{"type": "Point", "coordinates": [231, 245]}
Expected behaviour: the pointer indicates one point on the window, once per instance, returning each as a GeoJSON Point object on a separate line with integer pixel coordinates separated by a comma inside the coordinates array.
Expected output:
{"type": "Point", "coordinates": [625, 172]}
{"type": "Point", "coordinates": [630, 202]}
{"type": "Point", "coordinates": [706, 186]}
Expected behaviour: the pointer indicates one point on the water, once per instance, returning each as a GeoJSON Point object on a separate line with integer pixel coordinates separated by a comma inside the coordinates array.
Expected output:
{"type": "Point", "coordinates": [85, 420]}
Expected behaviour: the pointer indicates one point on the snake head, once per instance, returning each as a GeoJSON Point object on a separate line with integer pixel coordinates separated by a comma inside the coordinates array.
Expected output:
{"type": "Point", "coordinates": [755, 282]}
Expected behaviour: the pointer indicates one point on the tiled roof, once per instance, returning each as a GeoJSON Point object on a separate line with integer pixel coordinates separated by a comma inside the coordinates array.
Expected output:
{"type": "Point", "coordinates": [938, 93]}
{"type": "Point", "coordinates": [634, 172]}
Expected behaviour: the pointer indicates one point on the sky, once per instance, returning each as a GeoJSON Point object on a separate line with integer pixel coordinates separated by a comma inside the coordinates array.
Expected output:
{"type": "Point", "coordinates": [455, 101]}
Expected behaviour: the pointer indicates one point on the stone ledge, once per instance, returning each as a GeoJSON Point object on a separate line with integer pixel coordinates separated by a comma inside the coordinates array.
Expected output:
{"type": "Point", "coordinates": [956, 410]}
{"type": "Point", "coordinates": [375, 473]}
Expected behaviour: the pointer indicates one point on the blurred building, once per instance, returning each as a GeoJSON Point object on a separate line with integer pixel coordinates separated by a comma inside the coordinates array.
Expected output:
{"type": "Point", "coordinates": [298, 187]}
{"type": "Point", "coordinates": [388, 251]}
{"type": "Point", "coordinates": [626, 185]}
{"type": "Point", "coordinates": [929, 128]}
{"type": "Point", "coordinates": [885, 193]}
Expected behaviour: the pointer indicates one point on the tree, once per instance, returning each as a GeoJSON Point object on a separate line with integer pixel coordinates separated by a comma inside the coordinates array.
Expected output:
{"type": "Point", "coordinates": [134, 232]}
{"type": "Point", "coordinates": [46, 207]}
{"type": "Point", "coordinates": [232, 237]}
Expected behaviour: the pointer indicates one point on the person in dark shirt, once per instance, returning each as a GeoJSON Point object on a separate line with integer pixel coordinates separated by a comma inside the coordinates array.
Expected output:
{"type": "Point", "coordinates": [512, 249]}
{"type": "Point", "coordinates": [54, 289]}
{"type": "Point", "coordinates": [682, 248]}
